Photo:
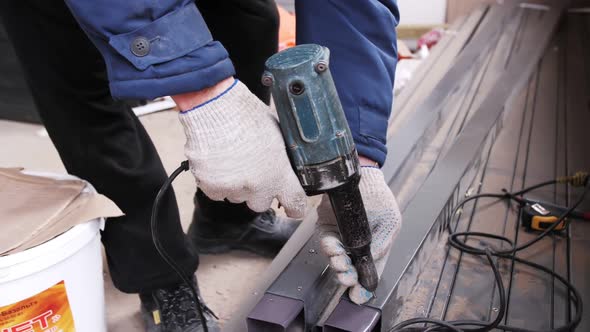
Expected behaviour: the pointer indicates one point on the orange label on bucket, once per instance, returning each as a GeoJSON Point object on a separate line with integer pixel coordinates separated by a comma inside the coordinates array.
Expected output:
{"type": "Point", "coordinates": [48, 311]}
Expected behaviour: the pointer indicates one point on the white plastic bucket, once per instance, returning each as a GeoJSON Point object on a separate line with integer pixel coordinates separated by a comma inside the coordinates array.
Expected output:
{"type": "Point", "coordinates": [39, 285]}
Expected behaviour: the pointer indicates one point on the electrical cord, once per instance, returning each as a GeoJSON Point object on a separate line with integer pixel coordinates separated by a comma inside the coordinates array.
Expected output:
{"type": "Point", "coordinates": [201, 307]}
{"type": "Point", "coordinates": [579, 179]}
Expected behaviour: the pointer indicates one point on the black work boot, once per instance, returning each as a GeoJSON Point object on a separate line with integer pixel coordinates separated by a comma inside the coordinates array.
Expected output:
{"type": "Point", "coordinates": [219, 227]}
{"type": "Point", "coordinates": [173, 309]}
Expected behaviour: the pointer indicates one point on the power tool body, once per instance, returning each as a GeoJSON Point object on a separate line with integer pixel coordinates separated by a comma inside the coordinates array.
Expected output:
{"type": "Point", "coordinates": [320, 144]}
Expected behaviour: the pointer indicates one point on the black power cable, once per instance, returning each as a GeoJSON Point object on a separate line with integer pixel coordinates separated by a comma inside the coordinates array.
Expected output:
{"type": "Point", "coordinates": [580, 179]}
{"type": "Point", "coordinates": [186, 278]}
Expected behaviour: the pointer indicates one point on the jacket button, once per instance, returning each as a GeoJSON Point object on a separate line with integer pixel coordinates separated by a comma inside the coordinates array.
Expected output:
{"type": "Point", "coordinates": [140, 46]}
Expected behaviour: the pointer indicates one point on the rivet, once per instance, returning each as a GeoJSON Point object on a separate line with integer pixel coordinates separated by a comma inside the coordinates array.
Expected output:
{"type": "Point", "coordinates": [267, 80]}
{"type": "Point", "coordinates": [321, 66]}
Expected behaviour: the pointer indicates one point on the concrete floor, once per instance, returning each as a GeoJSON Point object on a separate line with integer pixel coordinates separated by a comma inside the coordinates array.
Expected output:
{"type": "Point", "coordinates": [224, 279]}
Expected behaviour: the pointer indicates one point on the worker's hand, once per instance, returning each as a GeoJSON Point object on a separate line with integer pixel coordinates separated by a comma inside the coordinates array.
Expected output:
{"type": "Point", "coordinates": [236, 152]}
{"type": "Point", "coordinates": [385, 222]}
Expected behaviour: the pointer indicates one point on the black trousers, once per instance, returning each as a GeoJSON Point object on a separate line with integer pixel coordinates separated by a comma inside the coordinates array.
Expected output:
{"type": "Point", "coordinates": [100, 139]}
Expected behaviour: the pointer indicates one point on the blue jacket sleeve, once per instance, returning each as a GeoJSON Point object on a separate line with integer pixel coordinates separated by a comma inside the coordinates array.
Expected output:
{"type": "Point", "coordinates": [153, 48]}
{"type": "Point", "coordinates": [363, 55]}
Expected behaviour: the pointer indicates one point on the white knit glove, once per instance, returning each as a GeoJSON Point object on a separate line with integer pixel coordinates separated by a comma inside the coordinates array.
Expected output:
{"type": "Point", "coordinates": [384, 220]}
{"type": "Point", "coordinates": [236, 151]}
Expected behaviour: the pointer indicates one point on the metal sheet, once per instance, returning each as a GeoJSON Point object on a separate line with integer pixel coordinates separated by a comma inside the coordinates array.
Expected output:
{"type": "Point", "coordinates": [535, 144]}
{"type": "Point", "coordinates": [531, 292]}
{"type": "Point", "coordinates": [435, 195]}
{"type": "Point", "coordinates": [577, 115]}
{"type": "Point", "coordinates": [495, 174]}
{"type": "Point", "coordinates": [433, 68]}
{"type": "Point", "coordinates": [410, 136]}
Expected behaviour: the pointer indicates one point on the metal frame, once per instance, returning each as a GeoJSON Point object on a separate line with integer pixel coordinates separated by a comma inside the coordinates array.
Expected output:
{"type": "Point", "coordinates": [306, 278]}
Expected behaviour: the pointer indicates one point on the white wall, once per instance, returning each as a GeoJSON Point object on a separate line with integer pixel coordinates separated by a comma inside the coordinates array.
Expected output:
{"type": "Point", "coordinates": [422, 11]}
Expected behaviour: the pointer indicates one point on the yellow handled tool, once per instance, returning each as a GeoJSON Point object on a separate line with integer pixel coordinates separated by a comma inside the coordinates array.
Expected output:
{"type": "Point", "coordinates": [540, 215]}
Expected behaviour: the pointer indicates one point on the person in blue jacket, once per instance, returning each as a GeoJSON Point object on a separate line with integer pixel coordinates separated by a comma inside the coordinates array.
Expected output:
{"type": "Point", "coordinates": [83, 58]}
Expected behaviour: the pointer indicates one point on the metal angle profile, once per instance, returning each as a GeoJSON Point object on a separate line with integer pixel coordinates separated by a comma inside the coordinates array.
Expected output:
{"type": "Point", "coordinates": [239, 319]}
{"type": "Point", "coordinates": [306, 280]}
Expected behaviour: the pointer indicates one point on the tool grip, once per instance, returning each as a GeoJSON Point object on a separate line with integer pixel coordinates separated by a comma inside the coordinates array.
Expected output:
{"type": "Point", "coordinates": [355, 232]}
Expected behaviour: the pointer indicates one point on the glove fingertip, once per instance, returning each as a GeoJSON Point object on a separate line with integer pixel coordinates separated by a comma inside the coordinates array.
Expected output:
{"type": "Point", "coordinates": [295, 213]}
{"type": "Point", "coordinates": [340, 263]}
{"type": "Point", "coordinates": [259, 205]}
{"type": "Point", "coordinates": [331, 246]}
{"type": "Point", "coordinates": [359, 295]}
{"type": "Point", "coordinates": [214, 195]}
{"type": "Point", "coordinates": [295, 205]}
{"type": "Point", "coordinates": [293, 198]}
{"type": "Point", "coordinates": [348, 278]}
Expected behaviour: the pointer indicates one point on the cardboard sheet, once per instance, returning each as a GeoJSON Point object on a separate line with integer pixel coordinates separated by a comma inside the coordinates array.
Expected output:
{"type": "Point", "coordinates": [35, 209]}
